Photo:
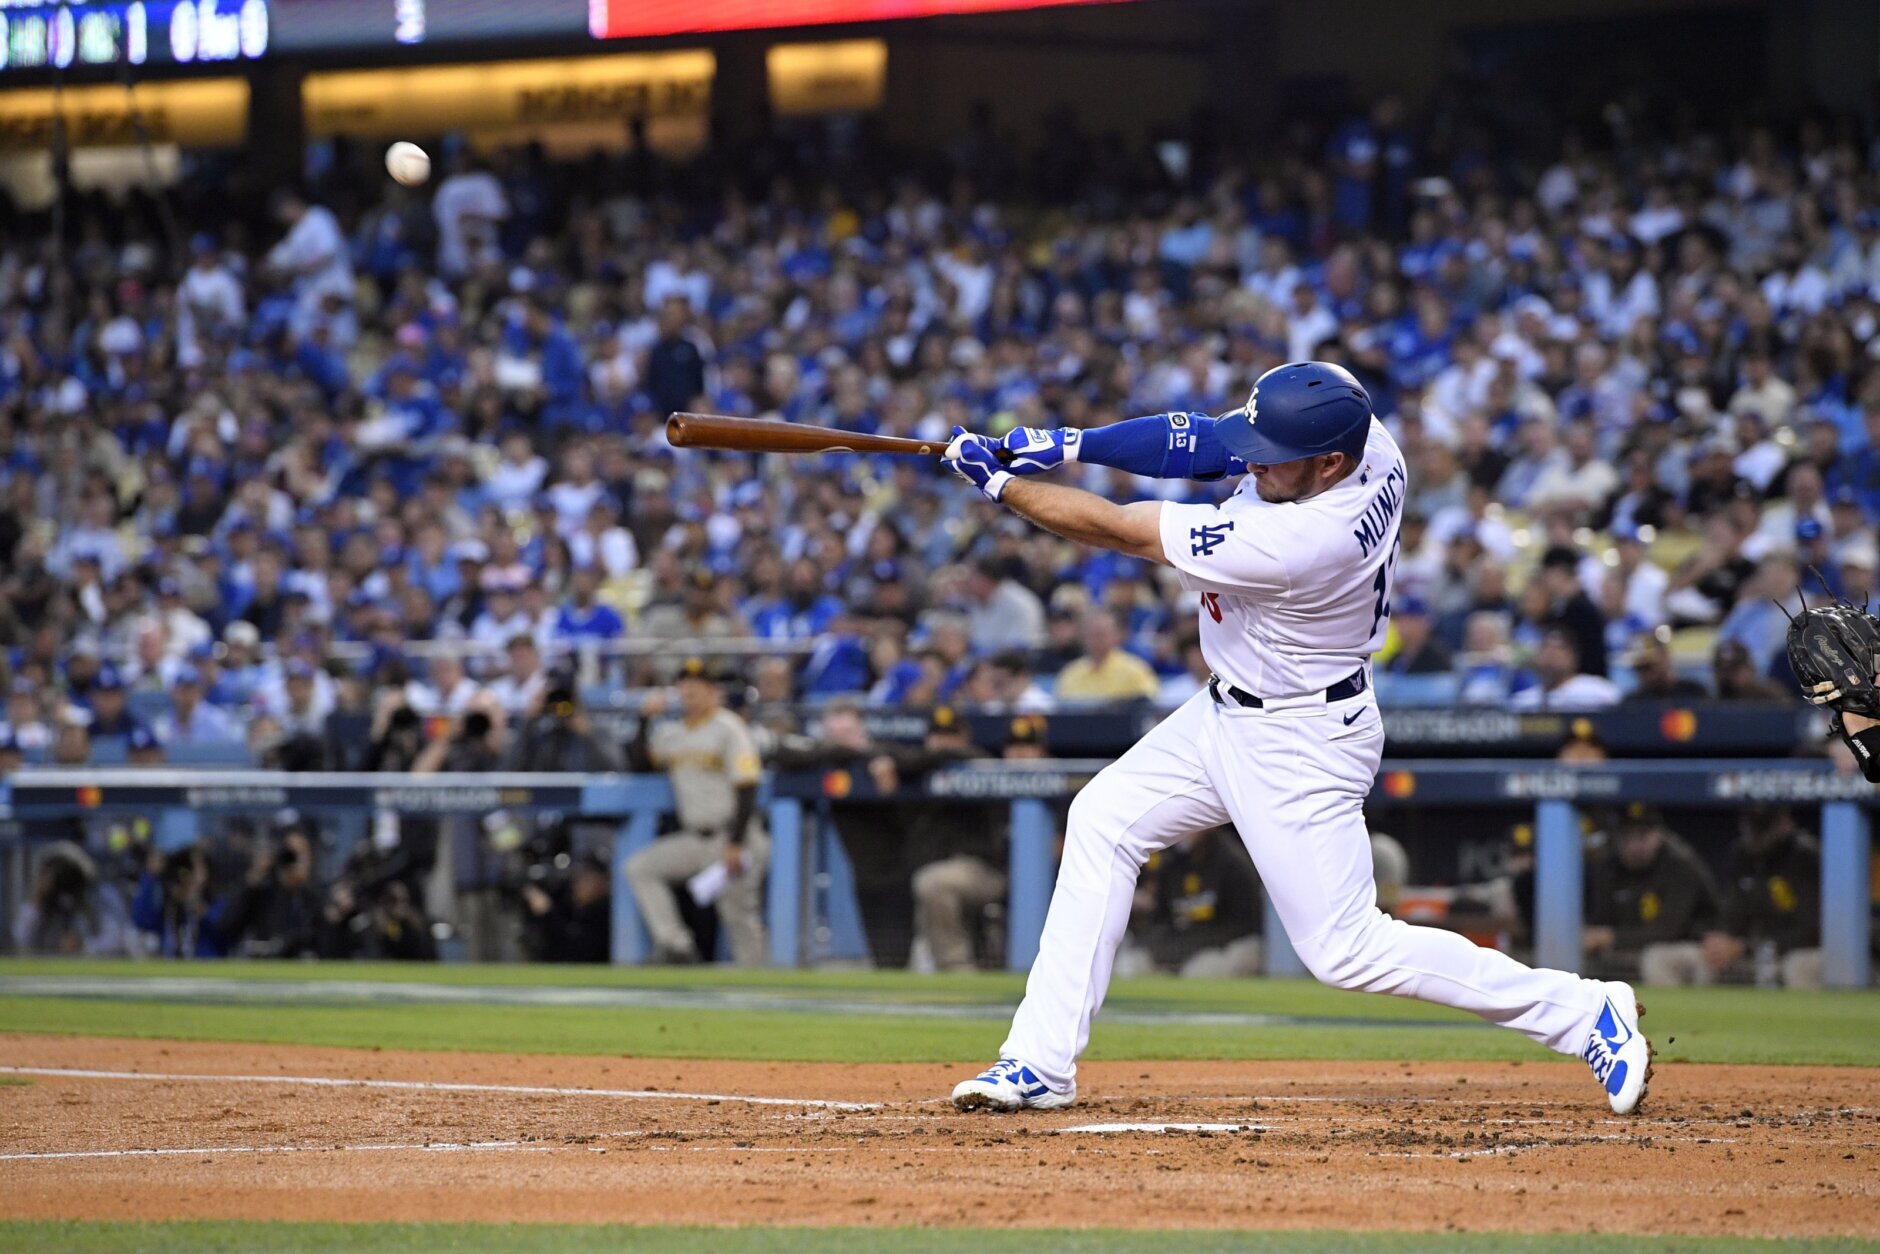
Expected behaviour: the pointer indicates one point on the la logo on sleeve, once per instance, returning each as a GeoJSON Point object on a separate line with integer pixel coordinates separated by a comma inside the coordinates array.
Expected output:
{"type": "Point", "coordinates": [1208, 537]}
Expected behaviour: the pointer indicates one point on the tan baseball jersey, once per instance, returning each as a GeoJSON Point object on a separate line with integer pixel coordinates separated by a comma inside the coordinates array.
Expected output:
{"type": "Point", "coordinates": [707, 763]}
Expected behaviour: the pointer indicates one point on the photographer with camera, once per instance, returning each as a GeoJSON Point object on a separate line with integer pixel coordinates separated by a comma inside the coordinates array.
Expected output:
{"type": "Point", "coordinates": [175, 907]}
{"type": "Point", "coordinates": [397, 930]}
{"type": "Point", "coordinates": [571, 920]}
{"type": "Point", "coordinates": [72, 910]}
{"type": "Point", "coordinates": [711, 758]}
{"type": "Point", "coordinates": [465, 886]}
{"type": "Point", "coordinates": [406, 844]}
{"type": "Point", "coordinates": [277, 911]}
{"type": "Point", "coordinates": [558, 737]}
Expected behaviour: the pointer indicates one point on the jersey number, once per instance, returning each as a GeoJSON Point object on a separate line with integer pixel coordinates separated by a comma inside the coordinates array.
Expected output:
{"type": "Point", "coordinates": [1212, 604]}
{"type": "Point", "coordinates": [1381, 584]}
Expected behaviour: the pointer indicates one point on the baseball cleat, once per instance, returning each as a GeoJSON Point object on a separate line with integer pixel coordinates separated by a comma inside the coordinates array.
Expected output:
{"type": "Point", "coordinates": [1009, 1084]}
{"type": "Point", "coordinates": [1618, 1053]}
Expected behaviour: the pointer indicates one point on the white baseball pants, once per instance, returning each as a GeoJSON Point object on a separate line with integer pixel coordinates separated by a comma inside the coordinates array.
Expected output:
{"type": "Point", "coordinates": [1292, 779]}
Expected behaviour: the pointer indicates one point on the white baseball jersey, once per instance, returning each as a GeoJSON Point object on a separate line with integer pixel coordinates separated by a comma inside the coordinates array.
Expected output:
{"type": "Point", "coordinates": [1294, 596]}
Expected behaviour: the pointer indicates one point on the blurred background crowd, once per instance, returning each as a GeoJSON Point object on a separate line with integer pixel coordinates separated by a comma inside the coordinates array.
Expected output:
{"type": "Point", "coordinates": [331, 473]}
{"type": "Point", "coordinates": [390, 446]}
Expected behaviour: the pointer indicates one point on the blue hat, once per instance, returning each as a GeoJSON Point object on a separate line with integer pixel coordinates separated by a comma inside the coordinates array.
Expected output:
{"type": "Point", "coordinates": [1415, 607]}
{"type": "Point", "coordinates": [109, 679]}
{"type": "Point", "coordinates": [299, 669]}
{"type": "Point", "coordinates": [1808, 529]}
{"type": "Point", "coordinates": [141, 737]}
{"type": "Point", "coordinates": [1298, 411]}
{"type": "Point", "coordinates": [169, 588]}
{"type": "Point", "coordinates": [188, 675]}
{"type": "Point", "coordinates": [9, 743]}
{"type": "Point", "coordinates": [203, 652]}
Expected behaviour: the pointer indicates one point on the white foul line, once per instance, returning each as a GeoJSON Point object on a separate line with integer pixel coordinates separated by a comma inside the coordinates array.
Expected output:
{"type": "Point", "coordinates": [431, 1086]}
{"type": "Point", "coordinates": [435, 1146]}
{"type": "Point", "coordinates": [431, 1147]}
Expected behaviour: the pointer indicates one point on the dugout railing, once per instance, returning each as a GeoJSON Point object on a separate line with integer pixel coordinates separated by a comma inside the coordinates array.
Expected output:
{"type": "Point", "coordinates": [810, 905]}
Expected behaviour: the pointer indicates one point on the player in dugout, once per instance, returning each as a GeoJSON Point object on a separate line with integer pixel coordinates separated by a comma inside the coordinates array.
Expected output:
{"type": "Point", "coordinates": [711, 758]}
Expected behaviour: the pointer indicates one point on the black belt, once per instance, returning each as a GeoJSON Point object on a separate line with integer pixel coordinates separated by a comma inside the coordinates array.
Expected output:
{"type": "Point", "coordinates": [1348, 687]}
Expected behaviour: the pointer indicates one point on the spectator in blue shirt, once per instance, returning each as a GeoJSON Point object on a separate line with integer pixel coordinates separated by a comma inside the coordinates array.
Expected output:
{"type": "Point", "coordinates": [190, 719]}
{"type": "Point", "coordinates": [110, 715]}
{"type": "Point", "coordinates": [585, 619]}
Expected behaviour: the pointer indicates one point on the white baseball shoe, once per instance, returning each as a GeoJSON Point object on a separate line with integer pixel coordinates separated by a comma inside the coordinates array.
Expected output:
{"type": "Point", "coordinates": [1618, 1053]}
{"type": "Point", "coordinates": [1009, 1084]}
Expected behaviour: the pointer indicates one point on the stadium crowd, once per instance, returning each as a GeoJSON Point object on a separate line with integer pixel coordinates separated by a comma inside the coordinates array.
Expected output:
{"type": "Point", "coordinates": [257, 474]}
{"type": "Point", "coordinates": [398, 455]}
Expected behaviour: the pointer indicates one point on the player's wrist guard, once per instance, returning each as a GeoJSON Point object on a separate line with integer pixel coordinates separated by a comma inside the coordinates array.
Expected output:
{"type": "Point", "coordinates": [1865, 746]}
{"type": "Point", "coordinates": [1035, 450]}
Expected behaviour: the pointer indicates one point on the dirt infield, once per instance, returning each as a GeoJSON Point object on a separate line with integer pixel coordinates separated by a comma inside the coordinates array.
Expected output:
{"type": "Point", "coordinates": [245, 1131]}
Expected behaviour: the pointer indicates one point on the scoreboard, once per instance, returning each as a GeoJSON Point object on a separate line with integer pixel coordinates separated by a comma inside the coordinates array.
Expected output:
{"type": "Point", "coordinates": [46, 35]}
{"type": "Point", "coordinates": [35, 35]}
{"type": "Point", "coordinates": [325, 26]}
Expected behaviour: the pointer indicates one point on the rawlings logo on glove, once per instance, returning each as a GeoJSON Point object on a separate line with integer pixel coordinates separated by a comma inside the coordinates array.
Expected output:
{"type": "Point", "coordinates": [1835, 652]}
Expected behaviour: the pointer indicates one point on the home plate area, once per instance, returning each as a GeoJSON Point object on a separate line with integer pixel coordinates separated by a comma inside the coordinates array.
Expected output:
{"type": "Point", "coordinates": [117, 1129]}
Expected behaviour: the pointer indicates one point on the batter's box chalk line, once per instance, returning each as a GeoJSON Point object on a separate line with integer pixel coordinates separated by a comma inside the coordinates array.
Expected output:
{"type": "Point", "coordinates": [1106, 1128]}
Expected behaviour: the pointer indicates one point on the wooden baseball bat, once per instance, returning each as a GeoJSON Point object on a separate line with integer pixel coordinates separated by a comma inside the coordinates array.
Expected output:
{"type": "Point", "coordinates": [755, 435]}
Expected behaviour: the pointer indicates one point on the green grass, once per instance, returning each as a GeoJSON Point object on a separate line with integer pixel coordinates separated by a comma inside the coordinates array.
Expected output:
{"type": "Point", "coordinates": [1734, 1025]}
{"type": "Point", "coordinates": [11, 1080]}
{"type": "Point", "coordinates": [111, 1238]}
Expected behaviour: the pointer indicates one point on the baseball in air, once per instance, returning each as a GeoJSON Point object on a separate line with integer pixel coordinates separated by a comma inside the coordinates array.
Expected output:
{"type": "Point", "coordinates": [407, 163]}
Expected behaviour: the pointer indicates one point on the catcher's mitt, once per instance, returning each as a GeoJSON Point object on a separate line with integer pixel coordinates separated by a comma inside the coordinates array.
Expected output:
{"type": "Point", "coordinates": [1834, 652]}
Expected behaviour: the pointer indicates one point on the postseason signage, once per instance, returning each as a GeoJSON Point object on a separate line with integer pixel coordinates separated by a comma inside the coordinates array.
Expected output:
{"type": "Point", "coordinates": [39, 36]}
{"type": "Point", "coordinates": [508, 96]}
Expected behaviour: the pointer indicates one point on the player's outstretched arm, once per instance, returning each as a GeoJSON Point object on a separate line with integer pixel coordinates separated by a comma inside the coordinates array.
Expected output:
{"type": "Point", "coordinates": [1134, 529]}
{"type": "Point", "coordinates": [1161, 446]}
{"type": "Point", "coordinates": [1070, 512]}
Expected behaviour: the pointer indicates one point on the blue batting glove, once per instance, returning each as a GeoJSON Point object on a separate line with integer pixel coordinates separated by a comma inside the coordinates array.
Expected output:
{"type": "Point", "coordinates": [975, 459]}
{"type": "Point", "coordinates": [1035, 450]}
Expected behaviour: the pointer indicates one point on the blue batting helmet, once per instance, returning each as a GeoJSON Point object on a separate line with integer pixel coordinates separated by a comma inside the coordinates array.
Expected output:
{"type": "Point", "coordinates": [1299, 411]}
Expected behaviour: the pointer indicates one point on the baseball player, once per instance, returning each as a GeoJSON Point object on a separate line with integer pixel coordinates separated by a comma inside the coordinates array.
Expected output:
{"type": "Point", "coordinates": [1294, 576]}
{"type": "Point", "coordinates": [710, 756]}
{"type": "Point", "coordinates": [1834, 651]}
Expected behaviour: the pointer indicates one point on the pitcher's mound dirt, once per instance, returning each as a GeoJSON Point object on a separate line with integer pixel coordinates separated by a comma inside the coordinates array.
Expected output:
{"type": "Point", "coordinates": [1719, 1150]}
